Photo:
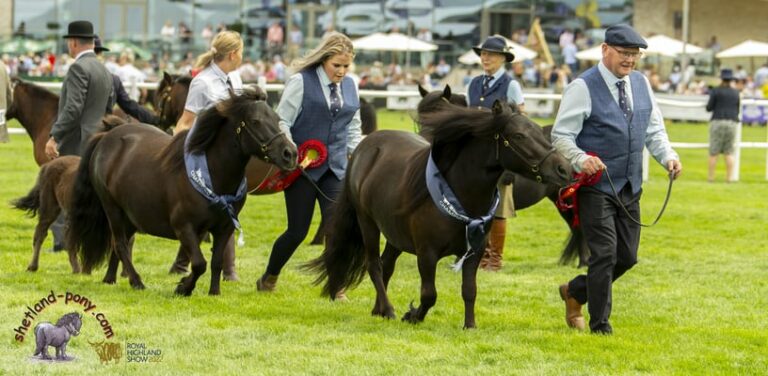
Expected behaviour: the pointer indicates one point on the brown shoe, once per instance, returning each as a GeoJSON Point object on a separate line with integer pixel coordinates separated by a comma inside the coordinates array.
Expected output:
{"type": "Point", "coordinates": [266, 283]}
{"type": "Point", "coordinates": [573, 316]}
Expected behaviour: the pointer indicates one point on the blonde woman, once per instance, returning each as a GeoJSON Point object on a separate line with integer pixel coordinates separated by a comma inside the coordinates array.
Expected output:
{"type": "Point", "coordinates": [320, 102]}
{"type": "Point", "coordinates": [218, 74]}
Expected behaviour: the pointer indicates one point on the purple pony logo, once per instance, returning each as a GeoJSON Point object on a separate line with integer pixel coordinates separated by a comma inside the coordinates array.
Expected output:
{"type": "Point", "coordinates": [47, 334]}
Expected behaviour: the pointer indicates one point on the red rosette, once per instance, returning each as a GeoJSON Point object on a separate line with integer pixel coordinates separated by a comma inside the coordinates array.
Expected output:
{"type": "Point", "coordinates": [567, 199]}
{"type": "Point", "coordinates": [311, 154]}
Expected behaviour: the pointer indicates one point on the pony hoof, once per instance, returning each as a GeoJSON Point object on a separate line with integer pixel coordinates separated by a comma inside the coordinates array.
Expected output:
{"type": "Point", "coordinates": [138, 286]}
{"type": "Point", "coordinates": [32, 268]}
{"type": "Point", "coordinates": [412, 315]}
{"type": "Point", "coordinates": [181, 291]}
{"type": "Point", "coordinates": [214, 292]}
{"type": "Point", "coordinates": [109, 281]}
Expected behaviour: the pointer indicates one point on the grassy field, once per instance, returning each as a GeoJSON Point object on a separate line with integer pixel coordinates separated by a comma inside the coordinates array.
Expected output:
{"type": "Point", "coordinates": [694, 304]}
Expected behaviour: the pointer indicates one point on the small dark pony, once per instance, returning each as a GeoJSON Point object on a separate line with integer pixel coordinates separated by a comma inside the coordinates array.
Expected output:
{"type": "Point", "coordinates": [170, 97]}
{"type": "Point", "coordinates": [169, 102]}
{"type": "Point", "coordinates": [132, 179]}
{"type": "Point", "coordinates": [52, 195]}
{"type": "Point", "coordinates": [385, 192]}
{"type": "Point", "coordinates": [526, 192]}
{"type": "Point", "coordinates": [35, 108]}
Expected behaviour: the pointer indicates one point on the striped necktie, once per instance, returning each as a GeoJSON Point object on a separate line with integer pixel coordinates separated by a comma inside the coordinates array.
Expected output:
{"type": "Point", "coordinates": [487, 82]}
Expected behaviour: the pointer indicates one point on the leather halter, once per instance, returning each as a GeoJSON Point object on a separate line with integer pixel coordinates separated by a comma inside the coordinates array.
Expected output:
{"type": "Point", "coordinates": [533, 166]}
{"type": "Point", "coordinates": [264, 146]}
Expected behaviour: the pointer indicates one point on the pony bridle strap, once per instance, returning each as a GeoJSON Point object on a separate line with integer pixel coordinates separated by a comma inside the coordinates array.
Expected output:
{"type": "Point", "coordinates": [534, 166]}
{"type": "Point", "coordinates": [165, 98]}
{"type": "Point", "coordinates": [264, 146]}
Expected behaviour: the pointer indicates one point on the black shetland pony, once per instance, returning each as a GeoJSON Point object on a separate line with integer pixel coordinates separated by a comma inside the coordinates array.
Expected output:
{"type": "Point", "coordinates": [526, 192]}
{"type": "Point", "coordinates": [385, 192]}
{"type": "Point", "coordinates": [133, 179]}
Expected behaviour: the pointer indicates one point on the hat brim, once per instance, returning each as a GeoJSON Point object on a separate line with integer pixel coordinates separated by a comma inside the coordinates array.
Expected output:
{"type": "Point", "coordinates": [508, 55]}
{"type": "Point", "coordinates": [101, 49]}
{"type": "Point", "coordinates": [79, 36]}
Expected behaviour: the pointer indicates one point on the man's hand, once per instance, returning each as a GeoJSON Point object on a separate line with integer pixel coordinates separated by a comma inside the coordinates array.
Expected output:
{"type": "Point", "coordinates": [675, 168]}
{"type": "Point", "coordinates": [51, 148]}
{"type": "Point", "coordinates": [592, 165]}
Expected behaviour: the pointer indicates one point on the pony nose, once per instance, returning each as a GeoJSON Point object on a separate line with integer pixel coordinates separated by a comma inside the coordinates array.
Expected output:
{"type": "Point", "coordinates": [289, 157]}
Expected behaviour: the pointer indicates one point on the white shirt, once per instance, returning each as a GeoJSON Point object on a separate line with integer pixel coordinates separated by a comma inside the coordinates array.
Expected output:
{"type": "Point", "coordinates": [210, 87]}
{"type": "Point", "coordinates": [291, 105]}
{"type": "Point", "coordinates": [576, 106]}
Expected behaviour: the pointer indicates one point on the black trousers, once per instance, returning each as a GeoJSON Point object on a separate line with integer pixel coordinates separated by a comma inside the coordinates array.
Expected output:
{"type": "Point", "coordinates": [613, 240]}
{"type": "Point", "coordinates": [300, 200]}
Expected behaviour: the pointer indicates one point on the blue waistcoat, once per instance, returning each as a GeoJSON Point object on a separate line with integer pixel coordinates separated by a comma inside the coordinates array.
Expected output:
{"type": "Point", "coordinates": [619, 143]}
{"type": "Point", "coordinates": [497, 91]}
{"type": "Point", "coordinates": [316, 122]}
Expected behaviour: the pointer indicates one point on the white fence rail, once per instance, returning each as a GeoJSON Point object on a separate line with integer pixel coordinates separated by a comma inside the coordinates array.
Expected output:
{"type": "Point", "coordinates": [666, 103]}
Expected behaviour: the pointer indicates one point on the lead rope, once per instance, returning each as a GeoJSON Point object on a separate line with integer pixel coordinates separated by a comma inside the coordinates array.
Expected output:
{"type": "Point", "coordinates": [624, 208]}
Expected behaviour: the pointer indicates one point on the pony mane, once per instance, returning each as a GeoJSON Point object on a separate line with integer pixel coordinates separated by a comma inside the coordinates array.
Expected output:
{"type": "Point", "coordinates": [453, 123]}
{"type": "Point", "coordinates": [447, 130]}
{"type": "Point", "coordinates": [37, 92]}
{"type": "Point", "coordinates": [184, 79]}
{"type": "Point", "coordinates": [68, 318]}
{"type": "Point", "coordinates": [207, 126]}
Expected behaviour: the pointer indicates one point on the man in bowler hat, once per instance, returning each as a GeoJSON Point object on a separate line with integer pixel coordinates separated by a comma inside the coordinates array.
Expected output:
{"type": "Point", "coordinates": [606, 117]}
{"type": "Point", "coordinates": [495, 84]}
{"type": "Point", "coordinates": [85, 96]}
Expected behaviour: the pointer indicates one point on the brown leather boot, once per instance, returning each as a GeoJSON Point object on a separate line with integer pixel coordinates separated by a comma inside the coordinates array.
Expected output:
{"type": "Point", "coordinates": [573, 316]}
{"type": "Point", "coordinates": [266, 283]}
{"type": "Point", "coordinates": [228, 265]}
{"type": "Point", "coordinates": [495, 250]}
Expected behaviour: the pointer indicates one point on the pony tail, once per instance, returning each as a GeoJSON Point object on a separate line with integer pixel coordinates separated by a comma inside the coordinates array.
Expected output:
{"type": "Point", "coordinates": [31, 202]}
{"type": "Point", "coordinates": [87, 225]}
{"type": "Point", "coordinates": [205, 59]}
{"type": "Point", "coordinates": [343, 262]}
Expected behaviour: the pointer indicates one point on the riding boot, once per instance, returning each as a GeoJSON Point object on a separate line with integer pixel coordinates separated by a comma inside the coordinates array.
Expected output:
{"type": "Point", "coordinates": [495, 249]}
{"type": "Point", "coordinates": [229, 261]}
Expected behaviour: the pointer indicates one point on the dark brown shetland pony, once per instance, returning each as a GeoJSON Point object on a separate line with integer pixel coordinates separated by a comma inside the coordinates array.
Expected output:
{"type": "Point", "coordinates": [526, 192]}
{"type": "Point", "coordinates": [51, 195]}
{"type": "Point", "coordinates": [133, 179]}
{"type": "Point", "coordinates": [35, 108]}
{"type": "Point", "coordinates": [385, 192]}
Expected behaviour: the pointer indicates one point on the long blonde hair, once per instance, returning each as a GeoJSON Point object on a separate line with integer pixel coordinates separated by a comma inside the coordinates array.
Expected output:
{"type": "Point", "coordinates": [332, 44]}
{"type": "Point", "coordinates": [223, 44]}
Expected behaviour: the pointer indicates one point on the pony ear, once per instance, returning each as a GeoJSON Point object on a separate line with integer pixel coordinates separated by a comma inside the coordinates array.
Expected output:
{"type": "Point", "coordinates": [423, 91]}
{"type": "Point", "coordinates": [167, 78]}
{"type": "Point", "coordinates": [497, 107]}
{"type": "Point", "coordinates": [514, 107]}
{"type": "Point", "coordinates": [447, 92]}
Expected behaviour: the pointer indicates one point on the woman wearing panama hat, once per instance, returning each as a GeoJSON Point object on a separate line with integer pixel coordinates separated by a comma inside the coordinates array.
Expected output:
{"type": "Point", "coordinates": [495, 84]}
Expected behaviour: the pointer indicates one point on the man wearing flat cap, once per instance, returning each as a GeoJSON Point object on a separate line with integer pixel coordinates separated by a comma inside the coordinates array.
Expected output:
{"type": "Point", "coordinates": [85, 95]}
{"type": "Point", "coordinates": [495, 84]}
{"type": "Point", "coordinates": [606, 117]}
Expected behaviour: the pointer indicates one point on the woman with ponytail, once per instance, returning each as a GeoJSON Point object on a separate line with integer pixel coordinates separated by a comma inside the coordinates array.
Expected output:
{"type": "Point", "coordinates": [320, 102]}
{"type": "Point", "coordinates": [217, 77]}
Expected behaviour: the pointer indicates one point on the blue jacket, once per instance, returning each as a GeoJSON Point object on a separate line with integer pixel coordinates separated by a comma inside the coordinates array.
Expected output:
{"type": "Point", "coordinates": [618, 142]}
{"type": "Point", "coordinates": [316, 122]}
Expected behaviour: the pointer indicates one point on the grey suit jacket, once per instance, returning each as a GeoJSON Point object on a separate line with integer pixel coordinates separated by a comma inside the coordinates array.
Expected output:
{"type": "Point", "coordinates": [85, 96]}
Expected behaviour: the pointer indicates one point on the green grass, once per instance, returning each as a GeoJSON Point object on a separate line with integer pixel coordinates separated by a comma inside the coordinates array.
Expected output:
{"type": "Point", "coordinates": [694, 304]}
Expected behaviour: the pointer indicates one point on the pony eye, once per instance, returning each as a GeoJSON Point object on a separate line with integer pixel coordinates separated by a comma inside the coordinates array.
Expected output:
{"type": "Point", "coordinates": [519, 136]}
